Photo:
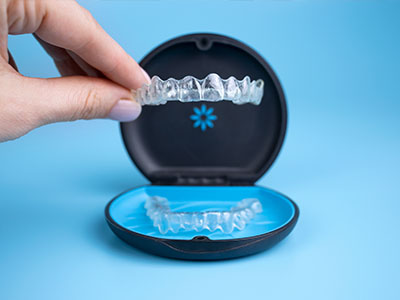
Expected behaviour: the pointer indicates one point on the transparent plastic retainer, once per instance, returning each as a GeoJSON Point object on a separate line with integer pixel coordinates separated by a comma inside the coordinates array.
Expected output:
{"type": "Point", "coordinates": [190, 89]}
{"type": "Point", "coordinates": [165, 220]}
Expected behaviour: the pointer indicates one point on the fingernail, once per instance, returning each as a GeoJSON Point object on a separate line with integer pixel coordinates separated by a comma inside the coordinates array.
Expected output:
{"type": "Point", "coordinates": [146, 75]}
{"type": "Point", "coordinates": [125, 111]}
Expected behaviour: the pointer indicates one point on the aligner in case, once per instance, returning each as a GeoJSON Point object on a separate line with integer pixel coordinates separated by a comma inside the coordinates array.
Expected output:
{"type": "Point", "coordinates": [164, 219]}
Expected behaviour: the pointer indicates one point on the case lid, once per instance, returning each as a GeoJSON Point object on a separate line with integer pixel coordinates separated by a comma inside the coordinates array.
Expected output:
{"type": "Point", "coordinates": [237, 147]}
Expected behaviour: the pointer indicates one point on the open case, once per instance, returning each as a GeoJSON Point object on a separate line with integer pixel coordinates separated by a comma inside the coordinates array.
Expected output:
{"type": "Point", "coordinates": [205, 167]}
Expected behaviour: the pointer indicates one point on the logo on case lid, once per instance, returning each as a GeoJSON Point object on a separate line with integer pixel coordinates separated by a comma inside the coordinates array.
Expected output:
{"type": "Point", "coordinates": [203, 117]}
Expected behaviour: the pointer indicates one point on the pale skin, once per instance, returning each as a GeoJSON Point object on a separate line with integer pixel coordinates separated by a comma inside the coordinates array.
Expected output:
{"type": "Point", "coordinates": [82, 52]}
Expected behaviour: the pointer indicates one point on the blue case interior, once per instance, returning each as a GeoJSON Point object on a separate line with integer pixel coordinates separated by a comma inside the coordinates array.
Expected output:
{"type": "Point", "coordinates": [128, 210]}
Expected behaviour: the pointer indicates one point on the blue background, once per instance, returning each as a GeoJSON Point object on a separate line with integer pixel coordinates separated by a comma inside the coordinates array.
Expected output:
{"type": "Point", "coordinates": [338, 62]}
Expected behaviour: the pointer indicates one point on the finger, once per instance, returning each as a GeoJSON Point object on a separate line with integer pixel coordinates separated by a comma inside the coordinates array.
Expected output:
{"type": "Point", "coordinates": [87, 39]}
{"type": "Point", "coordinates": [65, 64]}
{"type": "Point", "coordinates": [68, 67]}
{"type": "Point", "coordinates": [3, 31]}
{"type": "Point", "coordinates": [11, 61]}
{"type": "Point", "coordinates": [77, 97]}
{"type": "Point", "coordinates": [90, 71]}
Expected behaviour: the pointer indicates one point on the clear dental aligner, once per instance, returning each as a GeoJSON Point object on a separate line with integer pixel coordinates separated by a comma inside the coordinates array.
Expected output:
{"type": "Point", "coordinates": [164, 219]}
{"type": "Point", "coordinates": [190, 89]}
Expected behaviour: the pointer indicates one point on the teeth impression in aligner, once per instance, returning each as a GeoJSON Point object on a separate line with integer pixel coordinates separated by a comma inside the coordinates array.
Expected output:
{"type": "Point", "coordinates": [165, 220]}
{"type": "Point", "coordinates": [190, 89]}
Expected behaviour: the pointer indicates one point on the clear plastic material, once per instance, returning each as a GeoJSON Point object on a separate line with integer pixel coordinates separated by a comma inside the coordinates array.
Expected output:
{"type": "Point", "coordinates": [190, 89]}
{"type": "Point", "coordinates": [164, 219]}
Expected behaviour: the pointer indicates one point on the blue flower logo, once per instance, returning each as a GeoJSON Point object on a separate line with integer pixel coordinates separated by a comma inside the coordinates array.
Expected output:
{"type": "Point", "coordinates": [203, 117]}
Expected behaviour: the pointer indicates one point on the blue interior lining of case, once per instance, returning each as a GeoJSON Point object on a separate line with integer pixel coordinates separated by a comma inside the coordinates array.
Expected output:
{"type": "Point", "coordinates": [128, 209]}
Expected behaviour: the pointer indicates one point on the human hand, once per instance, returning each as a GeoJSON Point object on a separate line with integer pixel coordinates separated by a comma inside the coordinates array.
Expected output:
{"type": "Point", "coordinates": [79, 47]}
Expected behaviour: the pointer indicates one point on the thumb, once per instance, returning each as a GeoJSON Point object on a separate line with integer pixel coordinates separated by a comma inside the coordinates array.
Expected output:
{"type": "Point", "coordinates": [77, 97]}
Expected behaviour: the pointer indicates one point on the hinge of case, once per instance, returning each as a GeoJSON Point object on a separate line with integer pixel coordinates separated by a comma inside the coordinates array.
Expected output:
{"type": "Point", "coordinates": [201, 181]}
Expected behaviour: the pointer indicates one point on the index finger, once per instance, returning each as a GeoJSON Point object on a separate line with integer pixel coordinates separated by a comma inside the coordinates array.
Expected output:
{"type": "Point", "coordinates": [68, 25]}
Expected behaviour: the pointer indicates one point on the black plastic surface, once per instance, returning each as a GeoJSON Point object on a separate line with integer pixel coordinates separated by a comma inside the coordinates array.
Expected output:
{"type": "Point", "coordinates": [245, 139]}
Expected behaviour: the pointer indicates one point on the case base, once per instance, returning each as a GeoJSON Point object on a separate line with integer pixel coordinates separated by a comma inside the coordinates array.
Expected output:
{"type": "Point", "coordinates": [127, 219]}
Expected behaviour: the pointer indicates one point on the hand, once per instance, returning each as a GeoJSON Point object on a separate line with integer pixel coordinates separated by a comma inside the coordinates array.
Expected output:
{"type": "Point", "coordinates": [79, 47]}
